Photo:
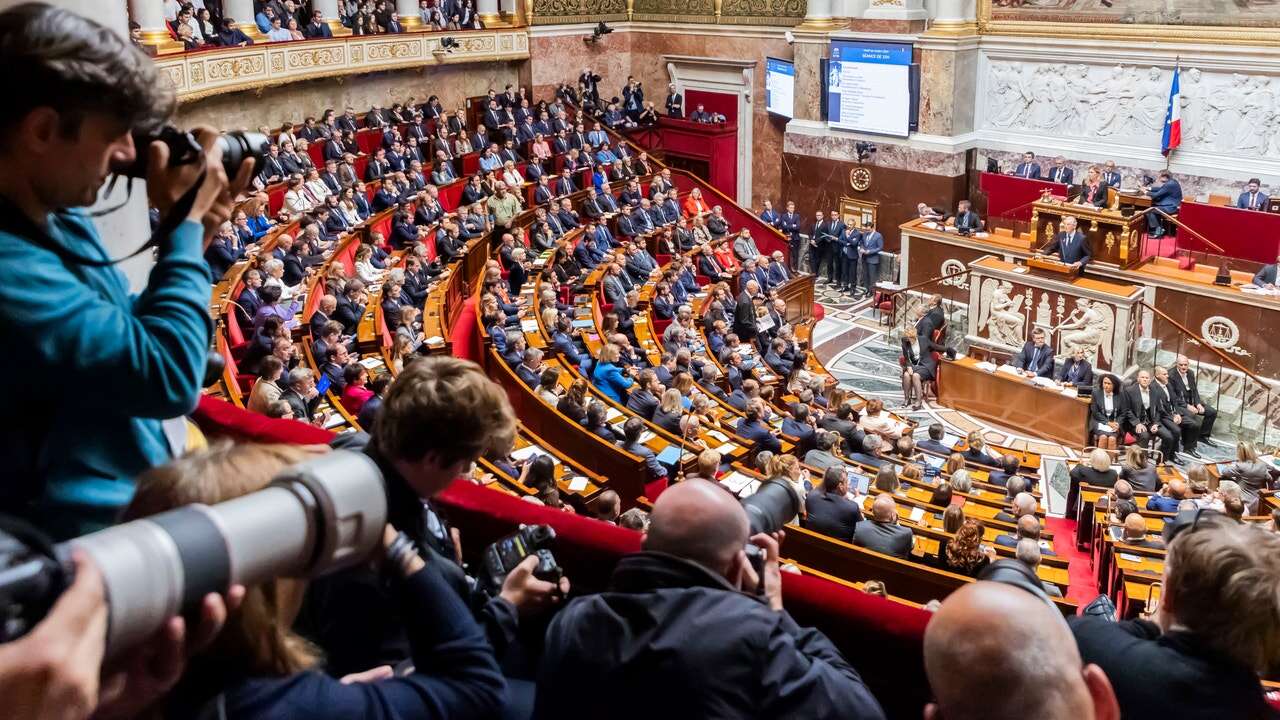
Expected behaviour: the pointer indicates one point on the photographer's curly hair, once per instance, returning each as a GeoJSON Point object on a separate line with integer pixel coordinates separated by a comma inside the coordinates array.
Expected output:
{"type": "Point", "coordinates": [50, 57]}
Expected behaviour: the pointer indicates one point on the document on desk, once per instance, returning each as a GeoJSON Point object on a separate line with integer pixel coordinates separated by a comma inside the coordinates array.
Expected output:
{"type": "Point", "coordinates": [735, 481]}
{"type": "Point", "coordinates": [646, 436]}
{"type": "Point", "coordinates": [670, 455]}
{"type": "Point", "coordinates": [612, 414]}
{"type": "Point", "coordinates": [372, 362]}
{"type": "Point", "coordinates": [916, 515]}
{"type": "Point", "coordinates": [1130, 557]}
{"type": "Point", "coordinates": [718, 435]}
{"type": "Point", "coordinates": [529, 325]}
{"type": "Point", "coordinates": [1009, 369]}
{"type": "Point", "coordinates": [434, 340]}
{"type": "Point", "coordinates": [525, 452]}
{"type": "Point", "coordinates": [985, 366]}
{"type": "Point", "coordinates": [1042, 381]}
{"type": "Point", "coordinates": [577, 484]}
{"type": "Point", "coordinates": [726, 449]}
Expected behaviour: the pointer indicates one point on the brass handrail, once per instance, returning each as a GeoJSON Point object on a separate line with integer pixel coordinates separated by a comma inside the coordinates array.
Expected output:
{"type": "Point", "coordinates": [1205, 343]}
{"type": "Point", "coordinates": [1186, 227]}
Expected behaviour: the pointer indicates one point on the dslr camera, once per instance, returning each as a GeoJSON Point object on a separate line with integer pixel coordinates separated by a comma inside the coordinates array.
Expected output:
{"type": "Point", "coordinates": [504, 555]}
{"type": "Point", "coordinates": [768, 509]}
{"type": "Point", "coordinates": [184, 149]}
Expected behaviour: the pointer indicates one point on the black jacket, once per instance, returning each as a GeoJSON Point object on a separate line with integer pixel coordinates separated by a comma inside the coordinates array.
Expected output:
{"type": "Point", "coordinates": [1170, 675]}
{"type": "Point", "coordinates": [831, 514]}
{"type": "Point", "coordinates": [698, 648]}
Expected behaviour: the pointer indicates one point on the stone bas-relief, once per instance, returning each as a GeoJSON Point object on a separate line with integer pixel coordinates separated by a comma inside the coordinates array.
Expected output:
{"type": "Point", "coordinates": [1221, 112]}
{"type": "Point", "coordinates": [1248, 13]}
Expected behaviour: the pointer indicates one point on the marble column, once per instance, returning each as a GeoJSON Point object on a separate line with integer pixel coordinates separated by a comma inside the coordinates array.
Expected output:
{"type": "Point", "coordinates": [954, 17]}
{"type": "Point", "coordinates": [488, 12]}
{"type": "Point", "coordinates": [818, 15]}
{"type": "Point", "coordinates": [408, 12]}
{"type": "Point", "coordinates": [150, 15]}
{"type": "Point", "coordinates": [897, 10]}
{"type": "Point", "coordinates": [242, 12]}
{"type": "Point", "coordinates": [808, 52]}
{"type": "Point", "coordinates": [329, 11]}
{"type": "Point", "coordinates": [849, 8]}
{"type": "Point", "coordinates": [127, 228]}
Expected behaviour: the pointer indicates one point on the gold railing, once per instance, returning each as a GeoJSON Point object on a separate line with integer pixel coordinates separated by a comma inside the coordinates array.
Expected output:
{"type": "Point", "coordinates": [202, 73]}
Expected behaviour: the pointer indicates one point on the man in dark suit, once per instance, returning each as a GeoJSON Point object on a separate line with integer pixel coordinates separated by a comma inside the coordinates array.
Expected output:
{"type": "Point", "coordinates": [934, 442]}
{"type": "Point", "coordinates": [1142, 413]}
{"type": "Point", "coordinates": [1183, 381]}
{"type": "Point", "coordinates": [789, 225]}
{"type": "Point", "coordinates": [1028, 528]}
{"type": "Point", "coordinates": [1268, 277]}
{"type": "Point", "coordinates": [1036, 357]}
{"type": "Point", "coordinates": [1181, 424]}
{"type": "Point", "coordinates": [828, 511]}
{"type": "Point", "coordinates": [350, 307]}
{"type": "Point", "coordinates": [847, 254]}
{"type": "Point", "coordinates": [1252, 198]}
{"type": "Point", "coordinates": [1009, 465]}
{"type": "Point", "coordinates": [1166, 196]}
{"type": "Point", "coordinates": [1028, 168]}
{"type": "Point", "coordinates": [643, 400]}
{"type": "Point", "coordinates": [1060, 173]}
{"type": "Point", "coordinates": [800, 425]}
{"type": "Point", "coordinates": [933, 318]}
{"type": "Point", "coordinates": [530, 368]}
{"type": "Point", "coordinates": [872, 245]}
{"type": "Point", "coordinates": [967, 221]}
{"type": "Point", "coordinates": [869, 454]}
{"type": "Point", "coordinates": [1069, 245]}
{"type": "Point", "coordinates": [882, 533]}
{"type": "Point", "coordinates": [752, 429]}
{"type": "Point", "coordinates": [1110, 175]}
{"type": "Point", "coordinates": [844, 422]}
{"type": "Point", "coordinates": [675, 102]}
{"type": "Point", "coordinates": [769, 215]}
{"type": "Point", "coordinates": [744, 316]}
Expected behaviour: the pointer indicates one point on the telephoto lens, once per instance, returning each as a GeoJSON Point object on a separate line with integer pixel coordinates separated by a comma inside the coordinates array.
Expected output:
{"type": "Point", "coordinates": [240, 146]}
{"type": "Point", "coordinates": [318, 516]}
{"type": "Point", "coordinates": [183, 149]}
{"type": "Point", "coordinates": [772, 506]}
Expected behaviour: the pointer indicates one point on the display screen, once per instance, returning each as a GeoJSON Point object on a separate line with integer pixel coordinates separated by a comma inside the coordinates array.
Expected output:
{"type": "Point", "coordinates": [779, 86]}
{"type": "Point", "coordinates": [868, 86]}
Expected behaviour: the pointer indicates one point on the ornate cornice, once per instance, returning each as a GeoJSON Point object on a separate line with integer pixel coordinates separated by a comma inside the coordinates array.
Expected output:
{"type": "Point", "coordinates": [213, 72]}
{"type": "Point", "coordinates": [1155, 34]}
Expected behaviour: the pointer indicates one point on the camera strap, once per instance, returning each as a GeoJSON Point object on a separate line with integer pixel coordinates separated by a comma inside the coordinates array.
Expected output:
{"type": "Point", "coordinates": [14, 221]}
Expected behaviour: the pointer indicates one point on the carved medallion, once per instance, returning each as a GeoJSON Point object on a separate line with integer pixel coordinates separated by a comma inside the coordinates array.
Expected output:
{"type": "Point", "coordinates": [1111, 241]}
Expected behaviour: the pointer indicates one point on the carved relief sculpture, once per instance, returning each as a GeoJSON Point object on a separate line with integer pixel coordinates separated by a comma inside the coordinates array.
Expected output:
{"type": "Point", "coordinates": [1089, 326]}
{"type": "Point", "coordinates": [1001, 314]}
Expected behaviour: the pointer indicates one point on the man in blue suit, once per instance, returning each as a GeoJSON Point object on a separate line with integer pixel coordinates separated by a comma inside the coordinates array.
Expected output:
{"type": "Point", "coordinates": [872, 244]}
{"type": "Point", "coordinates": [1167, 197]}
{"type": "Point", "coordinates": [752, 429]}
{"type": "Point", "coordinates": [1110, 175]}
{"type": "Point", "coordinates": [789, 224]}
{"type": "Point", "coordinates": [1070, 245]}
{"type": "Point", "coordinates": [1028, 168]}
{"type": "Point", "coordinates": [1060, 173]}
{"type": "Point", "coordinates": [1036, 357]}
{"type": "Point", "coordinates": [770, 215]}
{"type": "Point", "coordinates": [848, 256]}
{"type": "Point", "coordinates": [1252, 198]}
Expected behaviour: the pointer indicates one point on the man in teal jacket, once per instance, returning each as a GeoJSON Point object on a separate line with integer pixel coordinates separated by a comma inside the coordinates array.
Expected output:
{"type": "Point", "coordinates": [98, 379]}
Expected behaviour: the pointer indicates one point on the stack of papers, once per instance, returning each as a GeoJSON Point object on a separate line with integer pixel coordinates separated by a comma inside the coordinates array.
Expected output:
{"type": "Point", "coordinates": [525, 452]}
{"type": "Point", "coordinates": [529, 325]}
{"type": "Point", "coordinates": [435, 340]}
{"type": "Point", "coordinates": [577, 484]}
{"type": "Point", "coordinates": [985, 366]}
{"type": "Point", "coordinates": [1043, 381]}
{"type": "Point", "coordinates": [735, 481]}
{"type": "Point", "coordinates": [916, 515]}
{"type": "Point", "coordinates": [372, 362]}
{"type": "Point", "coordinates": [726, 449]}
{"type": "Point", "coordinates": [1009, 369]}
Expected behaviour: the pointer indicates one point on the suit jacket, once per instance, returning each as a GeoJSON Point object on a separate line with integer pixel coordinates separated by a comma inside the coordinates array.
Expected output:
{"type": "Point", "coordinates": [1186, 393]}
{"type": "Point", "coordinates": [831, 514]}
{"type": "Point", "coordinates": [1135, 413]}
{"type": "Point", "coordinates": [1252, 201]}
{"type": "Point", "coordinates": [1096, 196]}
{"type": "Point", "coordinates": [1031, 359]}
{"type": "Point", "coordinates": [1071, 248]}
{"type": "Point", "coordinates": [968, 221]}
{"type": "Point", "coordinates": [1167, 196]}
{"type": "Point", "coordinates": [890, 539]}
{"type": "Point", "coordinates": [1266, 276]}
{"type": "Point", "coordinates": [744, 318]}
{"type": "Point", "coordinates": [1061, 175]}
{"type": "Point", "coordinates": [1111, 179]}
{"type": "Point", "coordinates": [1098, 412]}
{"type": "Point", "coordinates": [805, 435]}
{"type": "Point", "coordinates": [1079, 374]}
{"type": "Point", "coordinates": [1029, 170]}
{"type": "Point", "coordinates": [349, 314]}
{"type": "Point", "coordinates": [872, 243]}
{"type": "Point", "coordinates": [759, 435]}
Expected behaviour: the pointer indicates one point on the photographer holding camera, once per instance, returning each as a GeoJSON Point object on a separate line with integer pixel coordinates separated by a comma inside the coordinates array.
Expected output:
{"type": "Point", "coordinates": [689, 628]}
{"type": "Point", "coordinates": [106, 376]}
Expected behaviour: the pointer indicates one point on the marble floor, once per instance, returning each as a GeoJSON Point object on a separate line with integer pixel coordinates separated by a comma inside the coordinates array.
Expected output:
{"type": "Point", "coordinates": [856, 348]}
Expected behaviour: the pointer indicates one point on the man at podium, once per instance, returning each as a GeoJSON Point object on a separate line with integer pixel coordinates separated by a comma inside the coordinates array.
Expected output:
{"type": "Point", "coordinates": [1069, 245]}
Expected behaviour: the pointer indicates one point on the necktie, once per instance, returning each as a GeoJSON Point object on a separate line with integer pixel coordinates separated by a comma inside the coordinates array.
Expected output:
{"type": "Point", "coordinates": [1035, 359]}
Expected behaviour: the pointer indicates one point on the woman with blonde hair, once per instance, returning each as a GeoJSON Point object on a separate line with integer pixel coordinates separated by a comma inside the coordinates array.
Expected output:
{"type": "Point", "coordinates": [887, 479]}
{"type": "Point", "coordinates": [1139, 470]}
{"type": "Point", "coordinates": [955, 461]}
{"type": "Point", "coordinates": [976, 451]}
{"type": "Point", "coordinates": [511, 176]}
{"type": "Point", "coordinates": [1096, 472]}
{"type": "Point", "coordinates": [667, 416]}
{"type": "Point", "coordinates": [257, 667]}
{"type": "Point", "coordinates": [1250, 473]}
{"type": "Point", "coordinates": [401, 348]}
{"type": "Point", "coordinates": [365, 270]}
{"type": "Point", "coordinates": [788, 468]}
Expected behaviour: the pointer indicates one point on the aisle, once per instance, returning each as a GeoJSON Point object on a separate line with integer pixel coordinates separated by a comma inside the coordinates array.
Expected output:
{"type": "Point", "coordinates": [1083, 585]}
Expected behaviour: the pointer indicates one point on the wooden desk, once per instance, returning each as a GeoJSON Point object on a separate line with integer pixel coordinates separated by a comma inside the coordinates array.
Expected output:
{"type": "Point", "coordinates": [1112, 237]}
{"type": "Point", "coordinates": [1014, 402]}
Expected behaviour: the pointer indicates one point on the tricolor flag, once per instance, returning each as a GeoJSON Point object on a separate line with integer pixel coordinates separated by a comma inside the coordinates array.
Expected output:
{"type": "Point", "coordinates": [1173, 116]}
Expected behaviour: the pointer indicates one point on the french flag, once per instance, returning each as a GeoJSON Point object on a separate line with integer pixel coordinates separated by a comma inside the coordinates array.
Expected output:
{"type": "Point", "coordinates": [1173, 116]}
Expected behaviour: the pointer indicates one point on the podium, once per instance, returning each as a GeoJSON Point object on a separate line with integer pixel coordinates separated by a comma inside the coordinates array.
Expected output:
{"type": "Point", "coordinates": [1113, 238]}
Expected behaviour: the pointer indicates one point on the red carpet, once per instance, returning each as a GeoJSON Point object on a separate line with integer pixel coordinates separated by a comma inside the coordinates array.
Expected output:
{"type": "Point", "coordinates": [1083, 586]}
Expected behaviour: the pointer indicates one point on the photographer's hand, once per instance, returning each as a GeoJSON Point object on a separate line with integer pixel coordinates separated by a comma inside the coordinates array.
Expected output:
{"type": "Point", "coordinates": [772, 575]}
{"type": "Point", "coordinates": [53, 671]}
{"type": "Point", "coordinates": [215, 198]}
{"type": "Point", "coordinates": [527, 593]}
{"type": "Point", "coordinates": [145, 674]}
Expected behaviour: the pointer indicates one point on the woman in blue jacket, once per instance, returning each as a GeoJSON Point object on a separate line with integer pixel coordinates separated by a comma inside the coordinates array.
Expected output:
{"type": "Point", "coordinates": [608, 377]}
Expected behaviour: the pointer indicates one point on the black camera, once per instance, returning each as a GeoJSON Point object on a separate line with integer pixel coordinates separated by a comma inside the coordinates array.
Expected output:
{"type": "Point", "coordinates": [184, 149]}
{"type": "Point", "coordinates": [768, 509]}
{"type": "Point", "coordinates": [864, 149]}
{"type": "Point", "coordinates": [504, 555]}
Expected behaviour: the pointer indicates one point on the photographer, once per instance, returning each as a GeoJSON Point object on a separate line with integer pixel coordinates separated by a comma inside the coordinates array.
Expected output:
{"type": "Point", "coordinates": [259, 668]}
{"type": "Point", "coordinates": [686, 631]}
{"type": "Point", "coordinates": [107, 376]}
{"type": "Point", "coordinates": [439, 416]}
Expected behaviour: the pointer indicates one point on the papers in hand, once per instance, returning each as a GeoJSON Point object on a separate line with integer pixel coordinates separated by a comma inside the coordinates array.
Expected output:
{"type": "Point", "coordinates": [525, 452]}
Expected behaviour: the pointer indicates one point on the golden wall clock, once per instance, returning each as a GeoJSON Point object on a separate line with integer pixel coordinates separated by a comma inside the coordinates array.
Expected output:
{"type": "Point", "coordinates": [860, 178]}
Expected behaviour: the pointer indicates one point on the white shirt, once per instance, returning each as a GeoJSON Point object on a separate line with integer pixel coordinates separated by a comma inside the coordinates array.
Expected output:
{"type": "Point", "coordinates": [279, 34]}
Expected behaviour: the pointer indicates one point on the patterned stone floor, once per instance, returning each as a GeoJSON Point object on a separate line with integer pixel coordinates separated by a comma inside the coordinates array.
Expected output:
{"type": "Point", "coordinates": [855, 347]}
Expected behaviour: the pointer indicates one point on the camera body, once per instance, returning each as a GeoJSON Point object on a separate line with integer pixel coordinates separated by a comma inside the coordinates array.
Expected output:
{"type": "Point", "coordinates": [184, 149]}
{"type": "Point", "coordinates": [504, 555]}
{"type": "Point", "coordinates": [864, 150]}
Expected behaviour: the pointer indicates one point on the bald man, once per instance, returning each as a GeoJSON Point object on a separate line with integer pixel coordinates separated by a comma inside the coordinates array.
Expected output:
{"type": "Point", "coordinates": [997, 652]}
{"type": "Point", "coordinates": [1174, 492]}
{"type": "Point", "coordinates": [681, 633]}
{"type": "Point", "coordinates": [883, 533]}
{"type": "Point", "coordinates": [1023, 504]}
{"type": "Point", "coordinates": [1135, 533]}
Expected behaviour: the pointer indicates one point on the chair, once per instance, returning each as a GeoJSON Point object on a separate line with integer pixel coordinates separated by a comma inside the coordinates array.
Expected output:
{"type": "Point", "coordinates": [1222, 200]}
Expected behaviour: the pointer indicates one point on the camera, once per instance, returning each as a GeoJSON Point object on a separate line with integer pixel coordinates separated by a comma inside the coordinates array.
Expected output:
{"type": "Point", "coordinates": [864, 150]}
{"type": "Point", "coordinates": [315, 517]}
{"type": "Point", "coordinates": [504, 555]}
{"type": "Point", "coordinates": [184, 149]}
{"type": "Point", "coordinates": [768, 509]}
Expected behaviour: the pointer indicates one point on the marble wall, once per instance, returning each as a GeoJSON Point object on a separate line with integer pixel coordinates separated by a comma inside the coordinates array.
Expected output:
{"type": "Point", "coordinates": [272, 106]}
{"type": "Point", "coordinates": [560, 57]}
{"type": "Point", "coordinates": [948, 80]}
